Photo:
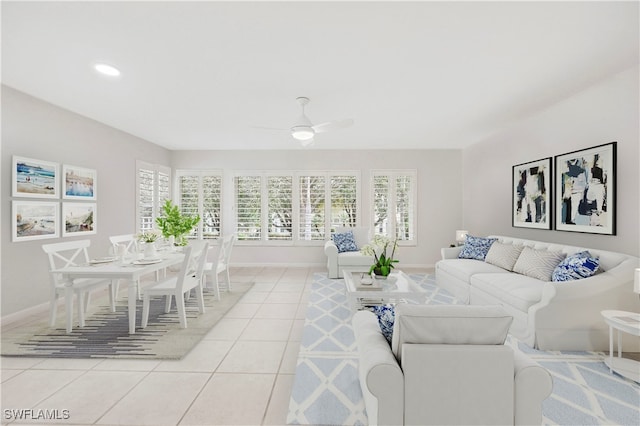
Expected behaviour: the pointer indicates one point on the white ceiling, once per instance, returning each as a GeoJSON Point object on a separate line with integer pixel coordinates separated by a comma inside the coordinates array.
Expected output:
{"type": "Point", "coordinates": [422, 75]}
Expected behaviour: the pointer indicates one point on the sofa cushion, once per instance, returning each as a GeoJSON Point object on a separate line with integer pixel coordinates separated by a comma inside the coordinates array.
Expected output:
{"type": "Point", "coordinates": [476, 247]}
{"type": "Point", "coordinates": [576, 266]}
{"type": "Point", "coordinates": [538, 263]}
{"type": "Point", "coordinates": [354, 258]}
{"type": "Point", "coordinates": [344, 241]}
{"type": "Point", "coordinates": [518, 291]}
{"type": "Point", "coordinates": [462, 269]}
{"type": "Point", "coordinates": [386, 317]}
{"type": "Point", "coordinates": [503, 255]}
{"type": "Point", "coordinates": [449, 324]}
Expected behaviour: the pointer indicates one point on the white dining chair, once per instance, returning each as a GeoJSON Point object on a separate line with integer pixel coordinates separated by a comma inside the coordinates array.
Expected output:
{"type": "Point", "coordinates": [130, 241]}
{"type": "Point", "coordinates": [213, 269]}
{"type": "Point", "coordinates": [67, 254]}
{"type": "Point", "coordinates": [188, 278]}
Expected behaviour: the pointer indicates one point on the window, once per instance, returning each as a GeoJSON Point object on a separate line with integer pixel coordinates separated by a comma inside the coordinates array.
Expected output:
{"type": "Point", "coordinates": [152, 189]}
{"type": "Point", "coordinates": [199, 193]}
{"type": "Point", "coordinates": [394, 203]}
{"type": "Point", "coordinates": [294, 207]}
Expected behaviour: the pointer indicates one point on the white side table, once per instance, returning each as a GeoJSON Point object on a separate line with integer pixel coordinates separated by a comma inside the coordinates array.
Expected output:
{"type": "Point", "coordinates": [623, 322]}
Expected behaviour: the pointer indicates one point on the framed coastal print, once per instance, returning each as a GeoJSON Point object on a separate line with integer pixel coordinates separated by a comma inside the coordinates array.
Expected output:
{"type": "Point", "coordinates": [586, 190]}
{"type": "Point", "coordinates": [531, 194]}
{"type": "Point", "coordinates": [34, 178]}
{"type": "Point", "coordinates": [79, 219]}
{"type": "Point", "coordinates": [79, 183]}
{"type": "Point", "coordinates": [35, 220]}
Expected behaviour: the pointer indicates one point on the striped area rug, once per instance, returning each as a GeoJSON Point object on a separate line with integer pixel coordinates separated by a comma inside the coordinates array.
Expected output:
{"type": "Point", "coordinates": [326, 389]}
{"type": "Point", "coordinates": [106, 334]}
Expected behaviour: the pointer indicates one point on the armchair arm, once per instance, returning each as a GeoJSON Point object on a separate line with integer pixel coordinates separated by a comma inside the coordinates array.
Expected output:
{"type": "Point", "coordinates": [331, 250]}
{"type": "Point", "coordinates": [532, 385]}
{"type": "Point", "coordinates": [381, 378]}
{"type": "Point", "coordinates": [450, 252]}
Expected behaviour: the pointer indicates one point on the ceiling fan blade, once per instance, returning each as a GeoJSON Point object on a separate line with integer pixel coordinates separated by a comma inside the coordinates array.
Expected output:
{"type": "Point", "coordinates": [333, 125]}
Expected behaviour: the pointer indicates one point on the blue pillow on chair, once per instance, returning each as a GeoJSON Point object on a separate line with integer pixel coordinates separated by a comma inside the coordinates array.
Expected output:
{"type": "Point", "coordinates": [345, 242]}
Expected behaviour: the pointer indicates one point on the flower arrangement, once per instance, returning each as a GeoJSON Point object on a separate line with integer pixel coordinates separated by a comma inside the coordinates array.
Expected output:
{"type": "Point", "coordinates": [149, 236]}
{"type": "Point", "coordinates": [378, 249]}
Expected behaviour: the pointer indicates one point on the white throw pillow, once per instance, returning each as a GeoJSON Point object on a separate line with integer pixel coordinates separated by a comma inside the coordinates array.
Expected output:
{"type": "Point", "coordinates": [449, 324]}
{"type": "Point", "coordinates": [503, 255]}
{"type": "Point", "coordinates": [538, 263]}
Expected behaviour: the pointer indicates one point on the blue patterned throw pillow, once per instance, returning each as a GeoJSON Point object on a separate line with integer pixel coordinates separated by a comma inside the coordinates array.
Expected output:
{"type": "Point", "coordinates": [386, 317]}
{"type": "Point", "coordinates": [575, 267]}
{"type": "Point", "coordinates": [476, 247]}
{"type": "Point", "coordinates": [345, 241]}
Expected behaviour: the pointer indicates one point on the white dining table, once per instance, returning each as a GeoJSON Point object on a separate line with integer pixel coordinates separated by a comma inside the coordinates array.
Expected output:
{"type": "Point", "coordinates": [128, 270]}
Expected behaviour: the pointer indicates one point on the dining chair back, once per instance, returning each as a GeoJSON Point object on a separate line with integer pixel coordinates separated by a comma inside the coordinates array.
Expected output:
{"type": "Point", "coordinates": [128, 240]}
{"type": "Point", "coordinates": [188, 278]}
{"type": "Point", "coordinates": [213, 269]}
{"type": "Point", "coordinates": [62, 255]}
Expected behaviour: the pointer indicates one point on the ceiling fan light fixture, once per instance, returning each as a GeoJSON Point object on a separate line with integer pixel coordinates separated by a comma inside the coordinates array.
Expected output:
{"type": "Point", "coordinates": [302, 133]}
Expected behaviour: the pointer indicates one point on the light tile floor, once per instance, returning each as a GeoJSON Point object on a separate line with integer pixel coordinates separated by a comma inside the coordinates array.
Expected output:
{"type": "Point", "coordinates": [241, 373]}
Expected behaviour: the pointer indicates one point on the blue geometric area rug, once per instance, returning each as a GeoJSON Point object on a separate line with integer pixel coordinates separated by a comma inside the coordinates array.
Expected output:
{"type": "Point", "coordinates": [326, 388]}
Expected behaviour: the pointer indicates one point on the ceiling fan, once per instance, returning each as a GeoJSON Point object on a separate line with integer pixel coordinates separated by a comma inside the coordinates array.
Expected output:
{"type": "Point", "coordinates": [304, 131]}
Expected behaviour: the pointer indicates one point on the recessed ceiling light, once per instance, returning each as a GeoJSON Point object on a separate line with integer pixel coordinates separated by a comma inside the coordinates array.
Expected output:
{"type": "Point", "coordinates": [106, 69]}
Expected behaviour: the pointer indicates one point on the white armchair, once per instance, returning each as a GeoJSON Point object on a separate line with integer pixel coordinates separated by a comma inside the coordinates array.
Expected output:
{"type": "Point", "coordinates": [447, 365]}
{"type": "Point", "coordinates": [353, 261]}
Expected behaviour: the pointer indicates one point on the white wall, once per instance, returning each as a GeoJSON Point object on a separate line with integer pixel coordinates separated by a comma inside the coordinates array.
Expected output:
{"type": "Point", "coordinates": [35, 129]}
{"type": "Point", "coordinates": [439, 194]}
{"type": "Point", "coordinates": [606, 112]}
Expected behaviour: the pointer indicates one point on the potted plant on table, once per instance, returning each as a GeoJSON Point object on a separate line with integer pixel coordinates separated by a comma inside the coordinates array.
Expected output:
{"type": "Point", "coordinates": [174, 224]}
{"type": "Point", "coordinates": [378, 249]}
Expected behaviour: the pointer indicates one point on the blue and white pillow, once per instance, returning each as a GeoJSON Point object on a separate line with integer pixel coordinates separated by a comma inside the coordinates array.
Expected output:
{"type": "Point", "coordinates": [476, 247]}
{"type": "Point", "coordinates": [576, 267]}
{"type": "Point", "coordinates": [345, 241]}
{"type": "Point", "coordinates": [386, 317]}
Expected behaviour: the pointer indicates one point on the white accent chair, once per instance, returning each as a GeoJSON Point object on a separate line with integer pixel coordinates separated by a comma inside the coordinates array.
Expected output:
{"type": "Point", "coordinates": [447, 365]}
{"type": "Point", "coordinates": [188, 278]}
{"type": "Point", "coordinates": [352, 261]}
{"type": "Point", "coordinates": [131, 246]}
{"type": "Point", "coordinates": [213, 269]}
{"type": "Point", "coordinates": [62, 255]}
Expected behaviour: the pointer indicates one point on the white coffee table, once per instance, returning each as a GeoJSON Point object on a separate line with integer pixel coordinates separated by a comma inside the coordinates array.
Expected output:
{"type": "Point", "coordinates": [398, 287]}
{"type": "Point", "coordinates": [623, 322]}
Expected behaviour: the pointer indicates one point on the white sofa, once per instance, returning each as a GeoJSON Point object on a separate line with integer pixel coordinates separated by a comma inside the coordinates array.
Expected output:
{"type": "Point", "coordinates": [352, 261]}
{"type": "Point", "coordinates": [548, 315]}
{"type": "Point", "coordinates": [447, 365]}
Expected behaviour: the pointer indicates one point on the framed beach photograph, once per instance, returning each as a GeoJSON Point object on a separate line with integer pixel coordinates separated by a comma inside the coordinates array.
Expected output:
{"type": "Point", "coordinates": [586, 190]}
{"type": "Point", "coordinates": [35, 220]}
{"type": "Point", "coordinates": [34, 178]}
{"type": "Point", "coordinates": [79, 183]}
{"type": "Point", "coordinates": [79, 219]}
{"type": "Point", "coordinates": [531, 194]}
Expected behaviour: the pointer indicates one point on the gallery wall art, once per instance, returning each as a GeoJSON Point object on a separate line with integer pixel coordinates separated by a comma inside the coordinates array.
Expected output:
{"type": "Point", "coordinates": [79, 219]}
{"type": "Point", "coordinates": [34, 178]}
{"type": "Point", "coordinates": [79, 183]}
{"type": "Point", "coordinates": [35, 220]}
{"type": "Point", "coordinates": [586, 190]}
{"type": "Point", "coordinates": [531, 194]}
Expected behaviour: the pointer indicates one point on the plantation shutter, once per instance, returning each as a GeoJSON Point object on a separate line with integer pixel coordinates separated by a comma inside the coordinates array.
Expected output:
{"type": "Point", "coordinates": [211, 194]}
{"type": "Point", "coordinates": [153, 186]}
{"type": "Point", "coordinates": [394, 204]}
{"type": "Point", "coordinates": [188, 189]}
{"type": "Point", "coordinates": [381, 204]}
{"type": "Point", "coordinates": [145, 199]}
{"type": "Point", "coordinates": [404, 208]}
{"type": "Point", "coordinates": [312, 206]}
{"type": "Point", "coordinates": [280, 214]}
{"type": "Point", "coordinates": [248, 207]}
{"type": "Point", "coordinates": [343, 201]}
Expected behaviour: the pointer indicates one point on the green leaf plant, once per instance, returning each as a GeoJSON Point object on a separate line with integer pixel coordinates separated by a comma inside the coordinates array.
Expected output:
{"type": "Point", "coordinates": [378, 249]}
{"type": "Point", "coordinates": [172, 223]}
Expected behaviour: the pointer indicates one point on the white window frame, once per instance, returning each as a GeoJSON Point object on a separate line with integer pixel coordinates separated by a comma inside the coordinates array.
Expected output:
{"type": "Point", "coordinates": [393, 175]}
{"type": "Point", "coordinates": [200, 174]}
{"type": "Point", "coordinates": [157, 169]}
{"type": "Point", "coordinates": [295, 200]}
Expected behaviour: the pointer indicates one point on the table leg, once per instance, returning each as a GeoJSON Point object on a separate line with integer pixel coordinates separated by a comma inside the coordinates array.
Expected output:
{"type": "Point", "coordinates": [619, 344]}
{"type": "Point", "coordinates": [68, 298]}
{"type": "Point", "coordinates": [131, 300]}
{"type": "Point", "coordinates": [610, 350]}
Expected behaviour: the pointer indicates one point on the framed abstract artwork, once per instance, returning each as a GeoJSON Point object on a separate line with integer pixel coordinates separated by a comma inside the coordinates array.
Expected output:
{"type": "Point", "coordinates": [34, 178]}
{"type": "Point", "coordinates": [586, 190]}
{"type": "Point", "coordinates": [79, 183]}
{"type": "Point", "coordinates": [35, 220]}
{"type": "Point", "coordinates": [79, 219]}
{"type": "Point", "coordinates": [531, 194]}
